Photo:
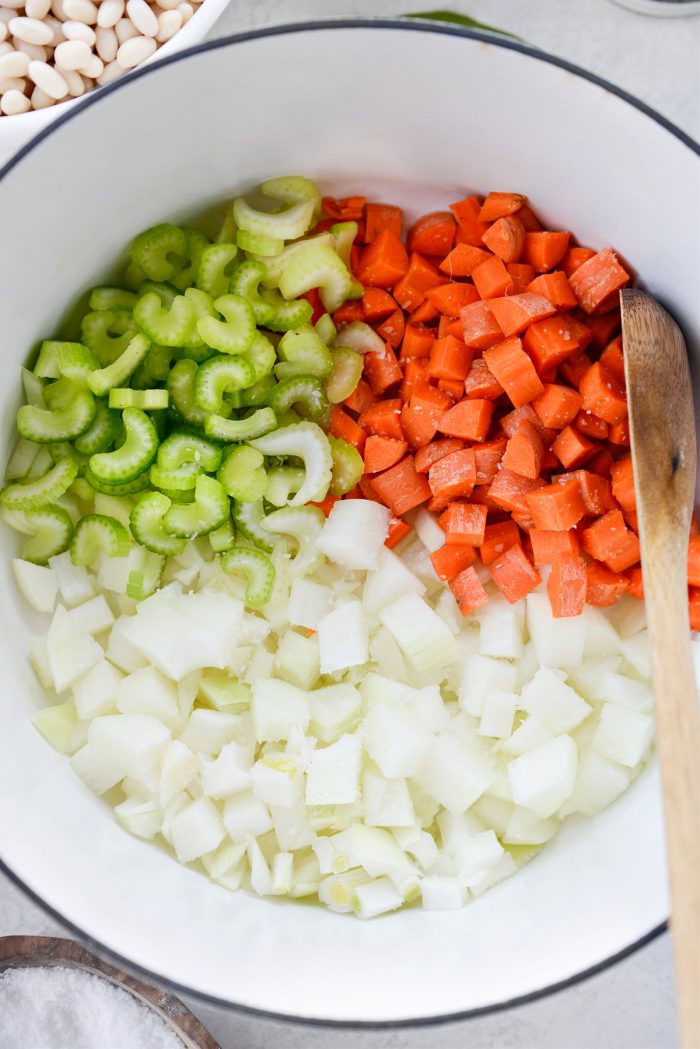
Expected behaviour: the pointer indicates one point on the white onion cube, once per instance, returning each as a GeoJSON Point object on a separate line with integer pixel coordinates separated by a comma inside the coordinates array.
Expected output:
{"type": "Point", "coordinates": [483, 675]}
{"type": "Point", "coordinates": [455, 773]}
{"type": "Point", "coordinates": [388, 582]}
{"type": "Point", "coordinates": [277, 707]}
{"type": "Point", "coordinates": [309, 602]}
{"type": "Point", "coordinates": [343, 637]}
{"type": "Point", "coordinates": [335, 709]}
{"type": "Point", "coordinates": [442, 894]}
{"type": "Point", "coordinates": [497, 714]}
{"type": "Point", "coordinates": [558, 642]}
{"type": "Point", "coordinates": [354, 533]}
{"type": "Point", "coordinates": [147, 691]}
{"type": "Point", "coordinates": [95, 691]}
{"type": "Point", "coordinates": [396, 740]}
{"type": "Point", "coordinates": [426, 641]}
{"type": "Point", "coordinates": [623, 735]}
{"type": "Point", "coordinates": [70, 653]}
{"type": "Point", "coordinates": [598, 782]}
{"type": "Point", "coordinates": [554, 703]}
{"type": "Point", "coordinates": [386, 802]}
{"type": "Point", "coordinates": [544, 778]}
{"type": "Point", "coordinates": [37, 584]}
{"type": "Point", "coordinates": [227, 774]}
{"type": "Point", "coordinates": [502, 626]}
{"type": "Point", "coordinates": [245, 816]}
{"type": "Point", "coordinates": [333, 777]}
{"type": "Point", "coordinates": [196, 830]}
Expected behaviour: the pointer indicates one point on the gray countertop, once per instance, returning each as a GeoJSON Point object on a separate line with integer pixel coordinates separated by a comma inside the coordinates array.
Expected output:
{"type": "Point", "coordinates": [630, 1006]}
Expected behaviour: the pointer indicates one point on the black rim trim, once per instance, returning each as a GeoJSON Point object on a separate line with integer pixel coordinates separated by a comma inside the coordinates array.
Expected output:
{"type": "Point", "coordinates": [93, 99]}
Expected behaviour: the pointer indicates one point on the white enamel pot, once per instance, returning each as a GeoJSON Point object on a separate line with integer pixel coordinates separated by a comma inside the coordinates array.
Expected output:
{"type": "Point", "coordinates": [410, 113]}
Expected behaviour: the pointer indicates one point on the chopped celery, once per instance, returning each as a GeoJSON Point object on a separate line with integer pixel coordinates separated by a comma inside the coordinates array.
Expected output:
{"type": "Point", "coordinates": [317, 266]}
{"type": "Point", "coordinates": [243, 474]}
{"type": "Point", "coordinates": [181, 389]}
{"type": "Point", "coordinates": [258, 393]}
{"type": "Point", "coordinates": [153, 251]}
{"type": "Point", "coordinates": [165, 292]}
{"type": "Point", "coordinates": [33, 389]}
{"type": "Point", "coordinates": [248, 519]}
{"type": "Point", "coordinates": [165, 325]}
{"type": "Point", "coordinates": [344, 233]}
{"type": "Point", "coordinates": [292, 189]}
{"type": "Point", "coordinates": [196, 244]}
{"type": "Point", "coordinates": [218, 376]}
{"type": "Point", "coordinates": [147, 400]}
{"type": "Point", "coordinates": [245, 281]}
{"type": "Point", "coordinates": [348, 466]}
{"type": "Point", "coordinates": [287, 315]}
{"type": "Point", "coordinates": [303, 352]}
{"type": "Point", "coordinates": [222, 538]}
{"type": "Point", "coordinates": [107, 298]}
{"type": "Point", "coordinates": [258, 243]}
{"type": "Point", "coordinates": [359, 336]}
{"type": "Point", "coordinates": [50, 527]}
{"type": "Point", "coordinates": [104, 431]}
{"type": "Point", "coordinates": [116, 373]}
{"type": "Point", "coordinates": [289, 224]}
{"type": "Point", "coordinates": [303, 392]}
{"type": "Point", "coordinates": [48, 454]}
{"type": "Point", "coordinates": [345, 374]}
{"type": "Point", "coordinates": [21, 460]}
{"type": "Point", "coordinates": [303, 523]}
{"type": "Point", "coordinates": [144, 581]}
{"type": "Point", "coordinates": [181, 447]}
{"type": "Point", "coordinates": [76, 362]}
{"type": "Point", "coordinates": [235, 332]}
{"type": "Point", "coordinates": [257, 569]}
{"type": "Point", "coordinates": [126, 488]}
{"type": "Point", "coordinates": [95, 534]}
{"type": "Point", "coordinates": [46, 489]}
{"type": "Point", "coordinates": [283, 481]}
{"type": "Point", "coordinates": [326, 329]}
{"type": "Point", "coordinates": [107, 333]}
{"type": "Point", "coordinates": [275, 266]}
{"type": "Point", "coordinates": [46, 366]}
{"type": "Point", "coordinates": [261, 356]}
{"type": "Point", "coordinates": [308, 442]}
{"type": "Point", "coordinates": [133, 456]}
{"type": "Point", "coordinates": [208, 512]}
{"type": "Point", "coordinates": [45, 425]}
{"type": "Point", "coordinates": [146, 523]}
{"type": "Point", "coordinates": [259, 423]}
{"type": "Point", "coordinates": [213, 275]}
{"type": "Point", "coordinates": [193, 344]}
{"type": "Point", "coordinates": [182, 478]}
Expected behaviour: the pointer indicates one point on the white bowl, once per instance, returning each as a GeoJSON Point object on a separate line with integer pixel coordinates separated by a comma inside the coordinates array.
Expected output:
{"type": "Point", "coordinates": [15, 131]}
{"type": "Point", "coordinates": [411, 113]}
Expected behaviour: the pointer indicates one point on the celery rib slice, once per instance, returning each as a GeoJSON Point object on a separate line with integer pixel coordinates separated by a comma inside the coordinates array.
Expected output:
{"type": "Point", "coordinates": [303, 352]}
{"type": "Point", "coordinates": [212, 275]}
{"type": "Point", "coordinates": [345, 374]}
{"type": "Point", "coordinates": [304, 393]}
{"type": "Point", "coordinates": [308, 442]}
{"type": "Point", "coordinates": [208, 512]}
{"type": "Point", "coordinates": [132, 487]}
{"type": "Point", "coordinates": [107, 333]}
{"type": "Point", "coordinates": [348, 466]}
{"type": "Point", "coordinates": [46, 489]}
{"type": "Point", "coordinates": [95, 534]}
{"type": "Point", "coordinates": [46, 425]}
{"type": "Point", "coordinates": [256, 425]}
{"type": "Point", "coordinates": [248, 519]}
{"type": "Point", "coordinates": [245, 282]}
{"type": "Point", "coordinates": [289, 224]}
{"type": "Point", "coordinates": [117, 373]}
{"type": "Point", "coordinates": [146, 400]}
{"type": "Point", "coordinates": [182, 478]}
{"type": "Point", "coordinates": [50, 528]}
{"type": "Point", "coordinates": [220, 375]}
{"type": "Point", "coordinates": [258, 570]}
{"type": "Point", "coordinates": [235, 332]}
{"type": "Point", "coordinates": [304, 524]}
{"type": "Point", "coordinates": [317, 266]}
{"type": "Point", "coordinates": [153, 249]}
{"type": "Point", "coordinates": [180, 447]}
{"type": "Point", "coordinates": [195, 245]}
{"type": "Point", "coordinates": [287, 315]}
{"type": "Point", "coordinates": [243, 474]}
{"type": "Point", "coordinates": [105, 297]}
{"type": "Point", "coordinates": [134, 456]}
{"type": "Point", "coordinates": [146, 523]}
{"type": "Point", "coordinates": [166, 325]}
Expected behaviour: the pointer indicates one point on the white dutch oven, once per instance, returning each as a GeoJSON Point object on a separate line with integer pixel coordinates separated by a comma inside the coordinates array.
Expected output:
{"type": "Point", "coordinates": [417, 115]}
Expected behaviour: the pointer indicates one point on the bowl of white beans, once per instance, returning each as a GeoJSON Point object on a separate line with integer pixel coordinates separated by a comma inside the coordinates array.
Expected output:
{"type": "Point", "coordinates": [53, 52]}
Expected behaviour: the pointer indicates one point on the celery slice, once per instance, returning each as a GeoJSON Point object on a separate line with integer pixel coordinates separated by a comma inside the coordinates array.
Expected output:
{"type": "Point", "coordinates": [303, 352]}
{"type": "Point", "coordinates": [287, 315]}
{"type": "Point", "coordinates": [107, 333]}
{"type": "Point", "coordinates": [282, 482]}
{"type": "Point", "coordinates": [348, 466]}
{"type": "Point", "coordinates": [196, 245]}
{"type": "Point", "coordinates": [222, 538]}
{"type": "Point", "coordinates": [50, 527]}
{"type": "Point", "coordinates": [259, 393]}
{"type": "Point", "coordinates": [76, 362]}
{"type": "Point", "coordinates": [326, 329]}
{"type": "Point", "coordinates": [292, 189]}
{"type": "Point", "coordinates": [208, 512]}
{"type": "Point", "coordinates": [46, 366]}
{"type": "Point", "coordinates": [166, 325]}
{"type": "Point", "coordinates": [95, 534]}
{"type": "Point", "coordinates": [146, 400]}
{"type": "Point", "coordinates": [235, 333]}
{"type": "Point", "coordinates": [248, 519]}
{"type": "Point", "coordinates": [220, 375]}
{"type": "Point", "coordinates": [245, 281]}
{"type": "Point", "coordinates": [345, 374]}
{"type": "Point", "coordinates": [304, 393]}
{"type": "Point", "coordinates": [304, 524]}
{"type": "Point", "coordinates": [46, 489]}
{"type": "Point", "coordinates": [20, 462]}
{"type": "Point", "coordinates": [261, 356]}
{"type": "Point", "coordinates": [289, 224]}
{"type": "Point", "coordinates": [153, 250]}
{"type": "Point", "coordinates": [105, 297]}
{"type": "Point", "coordinates": [213, 275]}
{"type": "Point", "coordinates": [182, 478]}
{"type": "Point", "coordinates": [258, 570]}
{"type": "Point", "coordinates": [135, 455]}
{"type": "Point", "coordinates": [145, 581]}
{"type": "Point", "coordinates": [146, 523]}
{"type": "Point", "coordinates": [180, 384]}
{"type": "Point", "coordinates": [33, 389]}
{"type": "Point", "coordinates": [181, 447]}
{"type": "Point", "coordinates": [259, 423]}
{"type": "Point", "coordinates": [308, 442]}
{"type": "Point", "coordinates": [116, 373]}
{"type": "Point", "coordinates": [317, 266]}
{"type": "Point", "coordinates": [132, 487]}
{"type": "Point", "coordinates": [243, 473]}
{"type": "Point", "coordinates": [258, 243]}
{"type": "Point", "coordinates": [344, 233]}
{"type": "Point", "coordinates": [45, 426]}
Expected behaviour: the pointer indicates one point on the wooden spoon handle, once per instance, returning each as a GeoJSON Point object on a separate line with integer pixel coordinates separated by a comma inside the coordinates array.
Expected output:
{"type": "Point", "coordinates": [678, 734]}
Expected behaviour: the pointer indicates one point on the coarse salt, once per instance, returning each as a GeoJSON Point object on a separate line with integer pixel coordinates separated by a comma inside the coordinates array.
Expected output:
{"type": "Point", "coordinates": [49, 1007]}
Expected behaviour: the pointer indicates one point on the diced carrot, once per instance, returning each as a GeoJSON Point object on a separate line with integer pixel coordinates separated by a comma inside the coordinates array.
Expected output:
{"type": "Point", "coordinates": [576, 321]}
{"type": "Point", "coordinates": [419, 427]}
{"type": "Point", "coordinates": [491, 278]}
{"type": "Point", "coordinates": [612, 359]}
{"type": "Point", "coordinates": [694, 560]}
{"type": "Point", "coordinates": [383, 452]}
{"type": "Point", "coordinates": [636, 584]}
{"type": "Point", "coordinates": [401, 488]}
{"type": "Point", "coordinates": [497, 205]}
{"type": "Point", "coordinates": [620, 433]}
{"type": "Point", "coordinates": [529, 219]}
{"type": "Point", "coordinates": [347, 313]}
{"type": "Point", "coordinates": [481, 382]}
{"type": "Point", "coordinates": [566, 585]}
{"type": "Point", "coordinates": [464, 524]}
{"type": "Point", "coordinates": [632, 520]}
{"type": "Point", "coordinates": [514, 370]}
{"type": "Point", "coordinates": [349, 209]}
{"type": "Point", "coordinates": [590, 425]}
{"type": "Point", "coordinates": [382, 370]}
{"type": "Point", "coordinates": [463, 260]}
{"type": "Point", "coordinates": [414, 370]}
{"type": "Point", "coordinates": [601, 463]}
{"type": "Point", "coordinates": [469, 419]}
{"type": "Point", "coordinates": [515, 313]}
{"type": "Point", "coordinates": [603, 587]}
{"type": "Point", "coordinates": [453, 476]}
{"type": "Point", "coordinates": [417, 342]}
{"type": "Point", "coordinates": [488, 457]}
{"type": "Point", "coordinates": [549, 342]}
{"type": "Point", "coordinates": [544, 249]}
{"type": "Point", "coordinates": [509, 491]}
{"type": "Point", "coordinates": [468, 591]}
{"type": "Point", "coordinates": [450, 359]}
{"type": "Point", "coordinates": [422, 274]}
{"type": "Point", "coordinates": [497, 539]}
{"type": "Point", "coordinates": [435, 451]}
{"type": "Point", "coordinates": [514, 574]}
{"type": "Point", "coordinates": [604, 327]}
{"type": "Point", "coordinates": [408, 296]}
{"type": "Point", "coordinates": [450, 326]}
{"type": "Point", "coordinates": [398, 530]}
{"type": "Point", "coordinates": [377, 304]}
{"type": "Point", "coordinates": [432, 234]}
{"type": "Point", "coordinates": [429, 400]}
{"type": "Point", "coordinates": [384, 261]}
{"type": "Point", "coordinates": [479, 326]}
{"type": "Point", "coordinates": [574, 368]}
{"type": "Point", "coordinates": [557, 406]}
{"type": "Point", "coordinates": [522, 274]}
{"type": "Point", "coordinates": [596, 491]}
{"type": "Point", "coordinates": [628, 556]}
{"type": "Point", "coordinates": [383, 418]}
{"type": "Point", "coordinates": [355, 252]}
{"type": "Point", "coordinates": [574, 258]}
{"type": "Point", "coordinates": [344, 426]}
{"type": "Point", "coordinates": [424, 313]}
{"type": "Point", "coordinates": [603, 394]}
{"type": "Point", "coordinates": [452, 297]}
{"type": "Point", "coordinates": [549, 461]}
{"type": "Point", "coordinates": [313, 297]}
{"type": "Point", "coordinates": [573, 448]}
{"type": "Point", "coordinates": [421, 416]}
{"type": "Point", "coordinates": [361, 398]}
{"type": "Point", "coordinates": [557, 507]}
{"type": "Point", "coordinates": [379, 217]}
{"type": "Point", "coordinates": [455, 388]}
{"type": "Point", "coordinates": [598, 280]}
{"type": "Point", "coordinates": [606, 537]}
{"type": "Point", "coordinates": [555, 288]}
{"type": "Point", "coordinates": [547, 545]}
{"type": "Point", "coordinates": [524, 451]}
{"type": "Point", "coordinates": [471, 227]}
{"type": "Point", "coordinates": [510, 423]}
{"type": "Point", "coordinates": [449, 561]}
{"type": "Point", "coordinates": [327, 504]}
{"type": "Point", "coordinates": [392, 329]}
{"type": "Point", "coordinates": [506, 238]}
{"type": "Point", "coordinates": [366, 490]}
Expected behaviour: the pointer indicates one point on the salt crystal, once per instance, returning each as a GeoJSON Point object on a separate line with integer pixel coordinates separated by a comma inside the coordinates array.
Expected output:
{"type": "Point", "coordinates": [56, 1007]}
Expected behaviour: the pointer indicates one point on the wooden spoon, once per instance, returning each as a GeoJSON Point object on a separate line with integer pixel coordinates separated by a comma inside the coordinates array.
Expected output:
{"type": "Point", "coordinates": [662, 431]}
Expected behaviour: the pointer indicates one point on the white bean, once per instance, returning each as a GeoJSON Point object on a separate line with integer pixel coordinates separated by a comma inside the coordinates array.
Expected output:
{"type": "Point", "coordinates": [79, 31]}
{"type": "Point", "coordinates": [11, 83]}
{"type": "Point", "coordinates": [76, 84]}
{"type": "Point", "coordinates": [37, 8]}
{"type": "Point", "coordinates": [109, 13]}
{"type": "Point", "coordinates": [15, 5]}
{"type": "Point", "coordinates": [107, 44]}
{"type": "Point", "coordinates": [136, 50]}
{"type": "Point", "coordinates": [48, 79]}
{"type": "Point", "coordinates": [36, 52]}
{"type": "Point", "coordinates": [31, 30]}
{"type": "Point", "coordinates": [3, 32]}
{"type": "Point", "coordinates": [6, 15]}
{"type": "Point", "coordinates": [169, 5]}
{"type": "Point", "coordinates": [81, 11]}
{"type": "Point", "coordinates": [15, 63]}
{"type": "Point", "coordinates": [112, 72]}
{"type": "Point", "coordinates": [143, 18]}
{"type": "Point", "coordinates": [186, 10]}
{"type": "Point", "coordinates": [40, 100]}
{"type": "Point", "coordinates": [57, 28]}
{"type": "Point", "coordinates": [13, 102]}
{"type": "Point", "coordinates": [72, 54]}
{"type": "Point", "coordinates": [168, 24]}
{"type": "Point", "coordinates": [125, 30]}
{"type": "Point", "coordinates": [93, 68]}
{"type": "Point", "coordinates": [57, 10]}
{"type": "Point", "coordinates": [6, 49]}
